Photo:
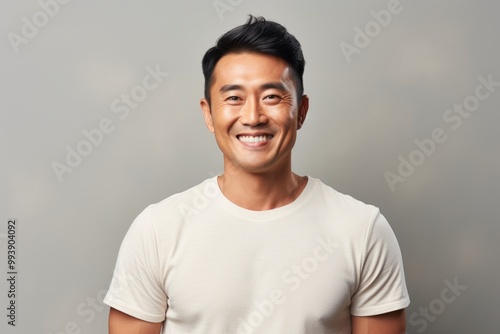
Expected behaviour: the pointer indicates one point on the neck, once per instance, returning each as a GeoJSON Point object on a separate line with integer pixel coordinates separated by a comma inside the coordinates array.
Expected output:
{"type": "Point", "coordinates": [261, 191]}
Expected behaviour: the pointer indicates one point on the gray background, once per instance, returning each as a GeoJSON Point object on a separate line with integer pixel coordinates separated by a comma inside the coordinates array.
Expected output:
{"type": "Point", "coordinates": [365, 112]}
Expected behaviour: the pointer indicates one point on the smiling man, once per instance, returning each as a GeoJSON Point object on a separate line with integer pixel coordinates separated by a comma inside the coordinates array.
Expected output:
{"type": "Point", "coordinates": [258, 249]}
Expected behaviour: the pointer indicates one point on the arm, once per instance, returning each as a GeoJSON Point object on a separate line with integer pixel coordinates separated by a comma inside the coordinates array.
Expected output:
{"type": "Point", "coordinates": [122, 323]}
{"type": "Point", "coordinates": [387, 323]}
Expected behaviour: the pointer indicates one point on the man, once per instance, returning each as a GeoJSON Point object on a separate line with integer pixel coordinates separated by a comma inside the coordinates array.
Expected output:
{"type": "Point", "coordinates": [258, 249]}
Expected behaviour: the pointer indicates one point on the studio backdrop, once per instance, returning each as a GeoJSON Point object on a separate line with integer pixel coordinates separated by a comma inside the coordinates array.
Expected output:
{"type": "Point", "coordinates": [100, 117]}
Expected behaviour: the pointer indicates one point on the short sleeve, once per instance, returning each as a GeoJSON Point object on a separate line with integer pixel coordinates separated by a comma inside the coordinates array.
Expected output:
{"type": "Point", "coordinates": [136, 287]}
{"type": "Point", "coordinates": [381, 285]}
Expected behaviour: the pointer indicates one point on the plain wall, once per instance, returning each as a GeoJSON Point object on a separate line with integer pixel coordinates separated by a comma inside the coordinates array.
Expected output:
{"type": "Point", "coordinates": [376, 101]}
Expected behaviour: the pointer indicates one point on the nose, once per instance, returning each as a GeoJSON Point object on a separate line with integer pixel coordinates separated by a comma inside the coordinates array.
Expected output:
{"type": "Point", "coordinates": [252, 113]}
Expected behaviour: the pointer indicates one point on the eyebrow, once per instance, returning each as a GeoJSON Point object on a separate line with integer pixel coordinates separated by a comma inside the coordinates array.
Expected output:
{"type": "Point", "coordinates": [227, 88]}
{"type": "Point", "coordinates": [270, 85]}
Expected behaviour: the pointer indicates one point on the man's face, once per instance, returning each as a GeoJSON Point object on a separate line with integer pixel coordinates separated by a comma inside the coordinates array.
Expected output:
{"type": "Point", "coordinates": [254, 112]}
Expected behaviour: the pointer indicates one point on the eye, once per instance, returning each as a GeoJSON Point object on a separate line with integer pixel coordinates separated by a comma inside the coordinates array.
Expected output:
{"type": "Point", "coordinates": [272, 99]}
{"type": "Point", "coordinates": [233, 99]}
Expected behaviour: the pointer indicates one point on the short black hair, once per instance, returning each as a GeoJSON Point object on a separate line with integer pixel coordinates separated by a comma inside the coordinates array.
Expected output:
{"type": "Point", "coordinates": [260, 36]}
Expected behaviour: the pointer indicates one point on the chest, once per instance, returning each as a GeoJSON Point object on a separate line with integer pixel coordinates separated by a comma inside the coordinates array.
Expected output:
{"type": "Point", "coordinates": [258, 276]}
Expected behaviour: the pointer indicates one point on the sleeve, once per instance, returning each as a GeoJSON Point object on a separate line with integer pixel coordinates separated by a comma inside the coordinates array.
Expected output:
{"type": "Point", "coordinates": [381, 285]}
{"type": "Point", "coordinates": [136, 287]}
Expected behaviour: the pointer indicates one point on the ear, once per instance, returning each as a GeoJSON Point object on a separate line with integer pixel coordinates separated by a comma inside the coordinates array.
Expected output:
{"type": "Point", "coordinates": [303, 108]}
{"type": "Point", "coordinates": [207, 114]}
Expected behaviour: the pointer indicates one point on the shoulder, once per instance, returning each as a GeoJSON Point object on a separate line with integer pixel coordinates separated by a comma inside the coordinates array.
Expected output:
{"type": "Point", "coordinates": [178, 207]}
{"type": "Point", "coordinates": [342, 205]}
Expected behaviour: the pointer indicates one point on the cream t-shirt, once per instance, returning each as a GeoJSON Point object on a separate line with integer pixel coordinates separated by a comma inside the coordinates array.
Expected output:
{"type": "Point", "coordinates": [203, 265]}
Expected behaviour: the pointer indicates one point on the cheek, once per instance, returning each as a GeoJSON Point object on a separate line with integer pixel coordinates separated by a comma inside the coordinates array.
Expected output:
{"type": "Point", "coordinates": [287, 108]}
{"type": "Point", "coordinates": [284, 117]}
{"type": "Point", "coordinates": [223, 118]}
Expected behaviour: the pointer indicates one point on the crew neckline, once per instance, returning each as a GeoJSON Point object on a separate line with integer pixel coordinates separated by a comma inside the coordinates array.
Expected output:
{"type": "Point", "coordinates": [265, 215]}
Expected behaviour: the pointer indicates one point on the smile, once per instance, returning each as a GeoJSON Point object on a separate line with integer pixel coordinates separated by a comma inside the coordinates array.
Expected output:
{"type": "Point", "coordinates": [254, 139]}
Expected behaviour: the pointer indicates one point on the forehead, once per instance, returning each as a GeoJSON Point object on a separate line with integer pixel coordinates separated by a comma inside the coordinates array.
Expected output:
{"type": "Point", "coordinates": [250, 68]}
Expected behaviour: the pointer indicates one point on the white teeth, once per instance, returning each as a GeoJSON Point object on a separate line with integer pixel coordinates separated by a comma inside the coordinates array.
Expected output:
{"type": "Point", "coordinates": [251, 139]}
